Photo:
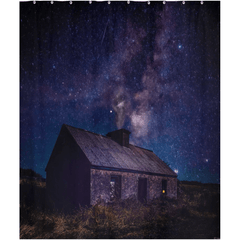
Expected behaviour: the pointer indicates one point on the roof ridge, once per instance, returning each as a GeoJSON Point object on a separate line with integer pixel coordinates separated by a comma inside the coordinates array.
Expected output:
{"type": "Point", "coordinates": [104, 136]}
{"type": "Point", "coordinates": [141, 147]}
{"type": "Point", "coordinates": [81, 129]}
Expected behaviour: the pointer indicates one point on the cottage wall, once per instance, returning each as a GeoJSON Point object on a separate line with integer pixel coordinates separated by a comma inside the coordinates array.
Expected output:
{"type": "Point", "coordinates": [67, 174]}
{"type": "Point", "coordinates": [100, 185]}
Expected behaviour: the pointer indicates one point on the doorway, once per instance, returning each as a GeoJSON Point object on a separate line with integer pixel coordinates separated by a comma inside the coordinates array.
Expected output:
{"type": "Point", "coordinates": [142, 189]}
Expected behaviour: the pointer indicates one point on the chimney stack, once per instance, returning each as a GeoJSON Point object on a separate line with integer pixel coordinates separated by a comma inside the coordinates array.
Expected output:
{"type": "Point", "coordinates": [120, 136]}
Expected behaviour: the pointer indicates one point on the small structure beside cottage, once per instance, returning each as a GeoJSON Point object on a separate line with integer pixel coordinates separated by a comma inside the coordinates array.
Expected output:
{"type": "Point", "coordinates": [86, 167]}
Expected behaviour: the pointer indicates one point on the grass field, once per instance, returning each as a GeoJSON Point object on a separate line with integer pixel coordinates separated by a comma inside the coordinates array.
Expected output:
{"type": "Point", "coordinates": [195, 214]}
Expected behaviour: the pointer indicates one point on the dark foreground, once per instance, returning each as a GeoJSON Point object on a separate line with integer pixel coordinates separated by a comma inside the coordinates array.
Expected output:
{"type": "Point", "coordinates": [196, 214]}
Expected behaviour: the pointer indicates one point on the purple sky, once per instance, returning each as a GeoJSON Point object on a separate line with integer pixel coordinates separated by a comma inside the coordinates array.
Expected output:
{"type": "Point", "coordinates": [152, 69]}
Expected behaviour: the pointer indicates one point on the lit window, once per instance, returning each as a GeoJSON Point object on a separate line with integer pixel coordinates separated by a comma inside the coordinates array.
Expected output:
{"type": "Point", "coordinates": [164, 186]}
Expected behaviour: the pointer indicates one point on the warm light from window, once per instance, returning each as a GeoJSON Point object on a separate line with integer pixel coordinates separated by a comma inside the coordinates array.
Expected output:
{"type": "Point", "coordinates": [163, 191]}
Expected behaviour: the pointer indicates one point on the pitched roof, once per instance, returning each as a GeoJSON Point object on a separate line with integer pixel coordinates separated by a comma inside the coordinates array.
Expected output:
{"type": "Point", "coordinates": [102, 151]}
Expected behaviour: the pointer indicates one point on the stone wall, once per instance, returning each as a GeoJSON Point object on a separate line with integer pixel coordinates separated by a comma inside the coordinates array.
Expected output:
{"type": "Point", "coordinates": [100, 185]}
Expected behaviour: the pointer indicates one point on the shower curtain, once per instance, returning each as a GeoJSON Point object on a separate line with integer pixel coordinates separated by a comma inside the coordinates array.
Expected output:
{"type": "Point", "coordinates": [150, 67]}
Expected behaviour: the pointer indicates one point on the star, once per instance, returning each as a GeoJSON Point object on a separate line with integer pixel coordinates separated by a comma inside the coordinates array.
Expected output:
{"type": "Point", "coordinates": [138, 71]}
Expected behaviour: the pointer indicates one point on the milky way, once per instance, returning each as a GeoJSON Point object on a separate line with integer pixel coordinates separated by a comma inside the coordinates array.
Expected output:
{"type": "Point", "coordinates": [153, 69]}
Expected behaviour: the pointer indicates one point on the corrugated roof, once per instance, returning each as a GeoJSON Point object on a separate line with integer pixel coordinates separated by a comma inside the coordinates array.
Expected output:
{"type": "Point", "coordinates": [104, 152]}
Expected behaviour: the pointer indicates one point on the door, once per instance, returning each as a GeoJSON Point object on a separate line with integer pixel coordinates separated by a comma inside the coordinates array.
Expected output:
{"type": "Point", "coordinates": [142, 189]}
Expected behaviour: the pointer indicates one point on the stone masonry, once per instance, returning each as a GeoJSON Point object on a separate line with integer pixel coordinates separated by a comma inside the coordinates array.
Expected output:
{"type": "Point", "coordinates": [100, 185]}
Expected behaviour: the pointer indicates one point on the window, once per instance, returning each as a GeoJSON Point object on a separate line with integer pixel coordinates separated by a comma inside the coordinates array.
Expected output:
{"type": "Point", "coordinates": [115, 187]}
{"type": "Point", "coordinates": [164, 187]}
{"type": "Point", "coordinates": [142, 189]}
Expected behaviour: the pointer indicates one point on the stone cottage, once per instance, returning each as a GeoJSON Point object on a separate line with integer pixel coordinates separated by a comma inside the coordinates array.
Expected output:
{"type": "Point", "coordinates": [86, 167]}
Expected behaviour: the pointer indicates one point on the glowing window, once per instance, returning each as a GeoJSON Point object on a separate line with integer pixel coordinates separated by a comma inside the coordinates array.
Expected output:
{"type": "Point", "coordinates": [164, 186]}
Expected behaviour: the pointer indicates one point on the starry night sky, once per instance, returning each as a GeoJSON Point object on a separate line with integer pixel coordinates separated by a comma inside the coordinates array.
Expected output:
{"type": "Point", "coordinates": [152, 69]}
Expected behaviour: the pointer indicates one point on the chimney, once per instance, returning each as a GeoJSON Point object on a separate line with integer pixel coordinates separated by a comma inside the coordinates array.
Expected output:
{"type": "Point", "coordinates": [120, 136]}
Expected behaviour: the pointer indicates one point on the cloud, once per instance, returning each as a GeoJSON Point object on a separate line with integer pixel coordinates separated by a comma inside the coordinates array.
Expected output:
{"type": "Point", "coordinates": [139, 123]}
{"type": "Point", "coordinates": [113, 81]}
{"type": "Point", "coordinates": [121, 104]}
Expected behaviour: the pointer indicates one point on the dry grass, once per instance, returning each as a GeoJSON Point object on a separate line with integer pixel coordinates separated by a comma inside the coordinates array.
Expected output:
{"type": "Point", "coordinates": [191, 216]}
{"type": "Point", "coordinates": [33, 182]}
